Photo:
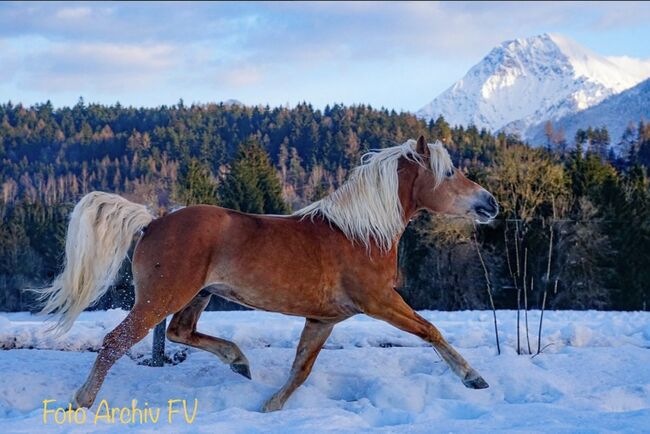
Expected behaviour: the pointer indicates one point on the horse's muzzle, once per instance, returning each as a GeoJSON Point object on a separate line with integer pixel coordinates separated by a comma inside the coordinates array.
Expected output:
{"type": "Point", "coordinates": [486, 208]}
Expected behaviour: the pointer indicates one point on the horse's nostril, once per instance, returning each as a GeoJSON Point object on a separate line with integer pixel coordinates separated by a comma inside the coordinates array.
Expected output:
{"type": "Point", "coordinates": [486, 205]}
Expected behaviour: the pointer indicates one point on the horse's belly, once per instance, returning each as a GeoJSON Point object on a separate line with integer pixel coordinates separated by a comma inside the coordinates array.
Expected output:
{"type": "Point", "coordinates": [290, 303]}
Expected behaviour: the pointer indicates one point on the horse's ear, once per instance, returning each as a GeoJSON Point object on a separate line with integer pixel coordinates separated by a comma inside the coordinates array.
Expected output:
{"type": "Point", "coordinates": [422, 148]}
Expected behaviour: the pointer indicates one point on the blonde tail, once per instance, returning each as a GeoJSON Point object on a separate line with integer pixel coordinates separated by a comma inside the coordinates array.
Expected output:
{"type": "Point", "coordinates": [100, 232]}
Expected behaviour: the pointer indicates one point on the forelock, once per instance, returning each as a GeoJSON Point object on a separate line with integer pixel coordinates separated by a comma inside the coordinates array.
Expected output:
{"type": "Point", "coordinates": [440, 162]}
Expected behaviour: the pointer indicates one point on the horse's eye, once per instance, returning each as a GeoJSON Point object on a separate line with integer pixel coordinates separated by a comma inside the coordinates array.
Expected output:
{"type": "Point", "coordinates": [450, 173]}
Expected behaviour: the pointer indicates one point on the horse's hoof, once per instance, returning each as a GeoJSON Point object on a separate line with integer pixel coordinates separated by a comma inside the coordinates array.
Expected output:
{"type": "Point", "coordinates": [475, 381]}
{"type": "Point", "coordinates": [272, 405]}
{"type": "Point", "coordinates": [77, 402]}
{"type": "Point", "coordinates": [242, 369]}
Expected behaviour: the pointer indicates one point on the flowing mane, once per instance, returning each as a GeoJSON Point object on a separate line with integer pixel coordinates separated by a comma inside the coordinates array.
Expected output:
{"type": "Point", "coordinates": [367, 206]}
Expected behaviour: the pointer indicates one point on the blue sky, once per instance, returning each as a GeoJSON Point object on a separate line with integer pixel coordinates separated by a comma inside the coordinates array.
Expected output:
{"type": "Point", "coordinates": [396, 55]}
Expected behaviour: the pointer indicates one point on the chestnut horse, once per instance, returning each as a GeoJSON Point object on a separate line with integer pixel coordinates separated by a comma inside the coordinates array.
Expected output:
{"type": "Point", "coordinates": [327, 262]}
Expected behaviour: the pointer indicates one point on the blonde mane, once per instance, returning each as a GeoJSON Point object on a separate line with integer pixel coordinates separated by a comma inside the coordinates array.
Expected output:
{"type": "Point", "coordinates": [367, 206]}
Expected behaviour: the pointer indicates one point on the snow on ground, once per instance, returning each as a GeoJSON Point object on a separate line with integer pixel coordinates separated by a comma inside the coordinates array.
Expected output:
{"type": "Point", "coordinates": [594, 377]}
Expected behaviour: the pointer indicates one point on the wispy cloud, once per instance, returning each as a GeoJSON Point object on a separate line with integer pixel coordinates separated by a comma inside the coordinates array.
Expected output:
{"type": "Point", "coordinates": [243, 76]}
{"type": "Point", "coordinates": [68, 66]}
{"type": "Point", "coordinates": [398, 54]}
{"type": "Point", "coordinates": [73, 14]}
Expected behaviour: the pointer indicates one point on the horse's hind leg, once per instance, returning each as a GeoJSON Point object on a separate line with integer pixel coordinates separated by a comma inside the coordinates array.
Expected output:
{"type": "Point", "coordinates": [312, 339]}
{"type": "Point", "coordinates": [182, 329]}
{"type": "Point", "coordinates": [131, 330]}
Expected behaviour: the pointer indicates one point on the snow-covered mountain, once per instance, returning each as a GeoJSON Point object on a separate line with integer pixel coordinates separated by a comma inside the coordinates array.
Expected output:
{"type": "Point", "coordinates": [616, 112]}
{"type": "Point", "coordinates": [524, 82]}
{"type": "Point", "coordinates": [233, 102]}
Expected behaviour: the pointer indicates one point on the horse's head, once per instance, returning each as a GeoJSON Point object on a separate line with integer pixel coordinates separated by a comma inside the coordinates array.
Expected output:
{"type": "Point", "coordinates": [440, 188]}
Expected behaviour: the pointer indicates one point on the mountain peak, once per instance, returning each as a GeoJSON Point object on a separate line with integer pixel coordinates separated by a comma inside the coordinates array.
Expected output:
{"type": "Point", "coordinates": [525, 81]}
{"type": "Point", "coordinates": [233, 103]}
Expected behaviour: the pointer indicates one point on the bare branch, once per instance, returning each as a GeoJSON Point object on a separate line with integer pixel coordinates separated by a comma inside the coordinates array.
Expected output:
{"type": "Point", "coordinates": [548, 277]}
{"type": "Point", "coordinates": [526, 299]}
{"type": "Point", "coordinates": [488, 286]}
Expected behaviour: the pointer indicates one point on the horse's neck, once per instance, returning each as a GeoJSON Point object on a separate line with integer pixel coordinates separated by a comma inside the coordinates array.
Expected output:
{"type": "Point", "coordinates": [407, 201]}
{"type": "Point", "coordinates": [407, 176]}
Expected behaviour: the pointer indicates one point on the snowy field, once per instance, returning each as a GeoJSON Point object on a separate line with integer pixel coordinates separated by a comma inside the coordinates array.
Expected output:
{"type": "Point", "coordinates": [594, 377]}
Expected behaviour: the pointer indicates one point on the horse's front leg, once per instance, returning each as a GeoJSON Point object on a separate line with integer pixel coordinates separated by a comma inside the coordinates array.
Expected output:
{"type": "Point", "coordinates": [312, 339]}
{"type": "Point", "coordinates": [393, 309]}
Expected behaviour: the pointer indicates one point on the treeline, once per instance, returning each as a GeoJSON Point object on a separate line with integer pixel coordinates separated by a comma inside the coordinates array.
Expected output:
{"type": "Point", "coordinates": [585, 209]}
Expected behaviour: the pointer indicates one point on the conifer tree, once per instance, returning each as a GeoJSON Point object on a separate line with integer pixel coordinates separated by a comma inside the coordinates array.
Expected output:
{"type": "Point", "coordinates": [252, 184]}
{"type": "Point", "coordinates": [631, 226]}
{"type": "Point", "coordinates": [196, 185]}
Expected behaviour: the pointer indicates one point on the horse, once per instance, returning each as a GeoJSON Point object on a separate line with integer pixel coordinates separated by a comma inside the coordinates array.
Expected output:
{"type": "Point", "coordinates": [327, 262]}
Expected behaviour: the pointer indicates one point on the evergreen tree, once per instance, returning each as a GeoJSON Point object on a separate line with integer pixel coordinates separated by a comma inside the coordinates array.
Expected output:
{"type": "Point", "coordinates": [588, 173]}
{"type": "Point", "coordinates": [252, 185]}
{"type": "Point", "coordinates": [600, 142]}
{"type": "Point", "coordinates": [583, 255]}
{"type": "Point", "coordinates": [196, 185]}
{"type": "Point", "coordinates": [581, 140]}
{"type": "Point", "coordinates": [629, 143]}
{"type": "Point", "coordinates": [631, 229]}
{"type": "Point", "coordinates": [642, 156]}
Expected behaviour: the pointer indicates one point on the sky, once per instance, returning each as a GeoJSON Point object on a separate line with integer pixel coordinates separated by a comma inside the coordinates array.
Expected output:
{"type": "Point", "coordinates": [397, 55]}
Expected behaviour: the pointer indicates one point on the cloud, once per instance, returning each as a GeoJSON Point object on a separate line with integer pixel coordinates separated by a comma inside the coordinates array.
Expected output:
{"type": "Point", "coordinates": [300, 31]}
{"type": "Point", "coordinates": [126, 22]}
{"type": "Point", "coordinates": [70, 66]}
{"type": "Point", "coordinates": [9, 61]}
{"type": "Point", "coordinates": [73, 13]}
{"type": "Point", "coordinates": [457, 29]}
{"type": "Point", "coordinates": [240, 76]}
{"type": "Point", "coordinates": [256, 47]}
